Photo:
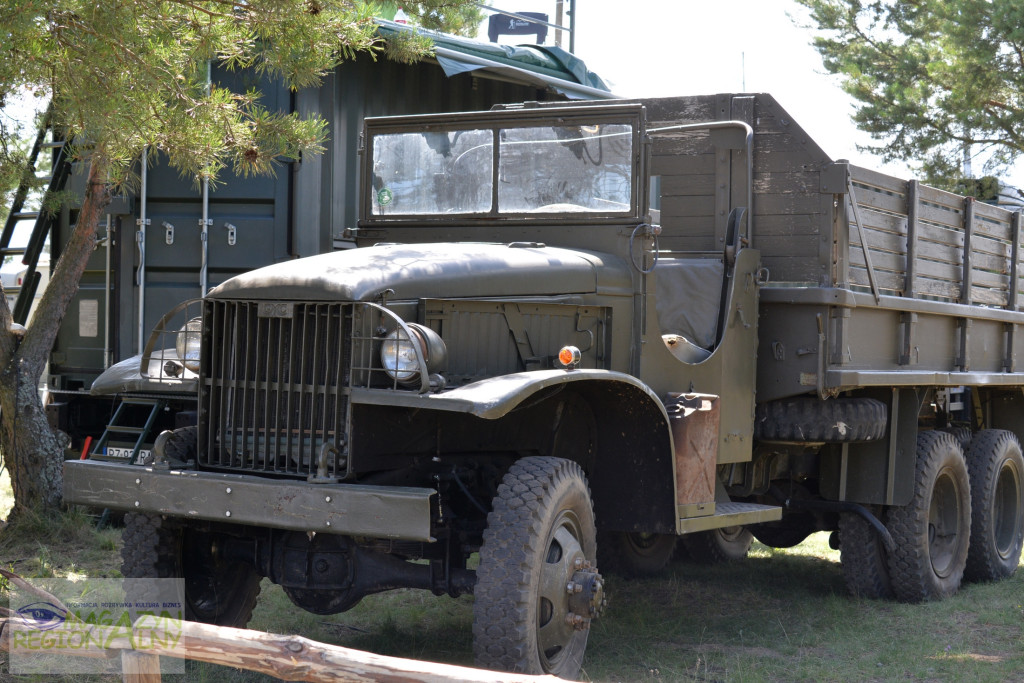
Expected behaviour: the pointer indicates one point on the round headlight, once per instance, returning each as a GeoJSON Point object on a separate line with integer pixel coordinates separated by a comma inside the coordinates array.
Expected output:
{"type": "Point", "coordinates": [188, 343]}
{"type": "Point", "coordinates": [399, 354]}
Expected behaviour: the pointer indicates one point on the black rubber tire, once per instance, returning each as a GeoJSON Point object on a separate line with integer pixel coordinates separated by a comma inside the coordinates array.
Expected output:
{"type": "Point", "coordinates": [634, 555]}
{"type": "Point", "coordinates": [541, 526]}
{"type": "Point", "coordinates": [863, 559]}
{"type": "Point", "coordinates": [932, 532]}
{"type": "Point", "coordinates": [996, 468]}
{"type": "Point", "coordinates": [963, 435]}
{"type": "Point", "coordinates": [215, 593]}
{"type": "Point", "coordinates": [729, 544]}
{"type": "Point", "coordinates": [175, 445]}
{"type": "Point", "coordinates": [807, 419]}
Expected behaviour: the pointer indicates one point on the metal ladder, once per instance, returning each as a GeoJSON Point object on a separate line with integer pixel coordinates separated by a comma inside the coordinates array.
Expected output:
{"type": "Point", "coordinates": [140, 434]}
{"type": "Point", "coordinates": [44, 220]}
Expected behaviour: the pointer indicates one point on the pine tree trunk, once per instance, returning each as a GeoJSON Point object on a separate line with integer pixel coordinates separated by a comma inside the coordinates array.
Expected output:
{"type": "Point", "coordinates": [32, 451]}
{"type": "Point", "coordinates": [36, 452]}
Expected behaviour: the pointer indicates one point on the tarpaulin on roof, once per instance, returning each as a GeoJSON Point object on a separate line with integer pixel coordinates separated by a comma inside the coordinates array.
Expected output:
{"type": "Point", "coordinates": [547, 66]}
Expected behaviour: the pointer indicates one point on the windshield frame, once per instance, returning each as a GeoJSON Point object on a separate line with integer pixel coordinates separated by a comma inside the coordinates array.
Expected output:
{"type": "Point", "coordinates": [582, 115]}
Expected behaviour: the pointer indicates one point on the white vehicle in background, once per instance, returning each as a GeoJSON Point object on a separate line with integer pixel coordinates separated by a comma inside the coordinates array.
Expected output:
{"type": "Point", "coordinates": [10, 273]}
{"type": "Point", "coordinates": [13, 274]}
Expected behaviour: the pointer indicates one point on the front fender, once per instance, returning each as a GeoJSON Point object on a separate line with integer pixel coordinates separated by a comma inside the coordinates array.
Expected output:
{"type": "Point", "coordinates": [127, 376]}
{"type": "Point", "coordinates": [632, 468]}
{"type": "Point", "coordinates": [495, 397]}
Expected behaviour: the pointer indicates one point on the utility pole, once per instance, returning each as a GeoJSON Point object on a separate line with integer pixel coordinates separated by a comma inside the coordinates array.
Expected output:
{"type": "Point", "coordinates": [558, 20]}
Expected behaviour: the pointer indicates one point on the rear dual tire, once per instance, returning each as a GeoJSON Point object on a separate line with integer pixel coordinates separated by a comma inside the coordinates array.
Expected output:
{"type": "Point", "coordinates": [932, 532]}
{"type": "Point", "coordinates": [996, 469]}
{"type": "Point", "coordinates": [965, 521]}
{"type": "Point", "coordinates": [863, 558]}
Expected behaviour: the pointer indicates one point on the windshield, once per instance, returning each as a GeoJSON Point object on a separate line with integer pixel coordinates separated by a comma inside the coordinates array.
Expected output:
{"type": "Point", "coordinates": [565, 169]}
{"type": "Point", "coordinates": [425, 173]}
{"type": "Point", "coordinates": [540, 169]}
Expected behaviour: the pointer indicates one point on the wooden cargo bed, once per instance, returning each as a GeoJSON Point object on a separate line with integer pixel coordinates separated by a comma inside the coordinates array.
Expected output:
{"type": "Point", "coordinates": [871, 280]}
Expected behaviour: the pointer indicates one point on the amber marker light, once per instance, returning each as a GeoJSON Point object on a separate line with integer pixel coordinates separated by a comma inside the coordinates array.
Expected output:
{"type": "Point", "coordinates": [569, 356]}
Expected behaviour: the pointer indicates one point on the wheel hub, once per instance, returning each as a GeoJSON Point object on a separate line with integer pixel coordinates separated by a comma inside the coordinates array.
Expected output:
{"type": "Point", "coordinates": [586, 595]}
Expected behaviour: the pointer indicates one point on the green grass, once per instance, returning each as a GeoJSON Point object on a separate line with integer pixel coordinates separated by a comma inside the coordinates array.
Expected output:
{"type": "Point", "coordinates": [784, 615]}
{"type": "Point", "coordinates": [776, 616]}
{"type": "Point", "coordinates": [63, 546]}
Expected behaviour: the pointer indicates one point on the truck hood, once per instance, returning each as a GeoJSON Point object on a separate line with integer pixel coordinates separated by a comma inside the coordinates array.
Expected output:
{"type": "Point", "coordinates": [438, 270]}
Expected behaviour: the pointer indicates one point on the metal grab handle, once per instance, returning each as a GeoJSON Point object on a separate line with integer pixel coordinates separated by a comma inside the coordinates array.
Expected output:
{"type": "Point", "coordinates": [648, 231]}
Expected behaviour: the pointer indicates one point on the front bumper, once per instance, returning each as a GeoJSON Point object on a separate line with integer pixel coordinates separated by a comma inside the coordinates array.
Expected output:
{"type": "Point", "coordinates": [376, 511]}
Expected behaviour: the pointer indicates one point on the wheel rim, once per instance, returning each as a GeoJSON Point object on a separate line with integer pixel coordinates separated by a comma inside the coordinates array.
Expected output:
{"type": "Point", "coordinates": [731, 534]}
{"type": "Point", "coordinates": [1006, 513]}
{"type": "Point", "coordinates": [563, 555]}
{"type": "Point", "coordinates": [944, 532]}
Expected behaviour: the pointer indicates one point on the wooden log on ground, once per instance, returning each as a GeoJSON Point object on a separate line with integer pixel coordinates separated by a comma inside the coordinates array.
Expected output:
{"type": "Point", "coordinates": [294, 658]}
{"type": "Point", "coordinates": [290, 658]}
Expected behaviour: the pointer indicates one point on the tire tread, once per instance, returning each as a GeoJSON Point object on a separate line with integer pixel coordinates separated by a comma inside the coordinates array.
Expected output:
{"type": "Point", "coordinates": [863, 559]}
{"type": "Point", "coordinates": [809, 419]}
{"type": "Point", "coordinates": [503, 636]}
{"type": "Point", "coordinates": [910, 569]}
{"type": "Point", "coordinates": [984, 460]}
{"type": "Point", "coordinates": [151, 550]}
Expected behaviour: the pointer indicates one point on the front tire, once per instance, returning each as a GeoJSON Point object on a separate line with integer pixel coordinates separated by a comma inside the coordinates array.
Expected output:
{"type": "Point", "coordinates": [539, 546]}
{"type": "Point", "coordinates": [996, 467]}
{"type": "Point", "coordinates": [932, 532]}
{"type": "Point", "coordinates": [217, 591]}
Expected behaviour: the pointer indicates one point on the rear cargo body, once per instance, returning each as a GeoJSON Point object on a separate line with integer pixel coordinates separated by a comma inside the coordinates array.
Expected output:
{"type": "Point", "coordinates": [893, 282]}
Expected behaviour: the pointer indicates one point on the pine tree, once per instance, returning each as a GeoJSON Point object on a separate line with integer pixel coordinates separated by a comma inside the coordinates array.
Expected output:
{"type": "Point", "coordinates": [127, 78]}
{"type": "Point", "coordinates": [930, 76]}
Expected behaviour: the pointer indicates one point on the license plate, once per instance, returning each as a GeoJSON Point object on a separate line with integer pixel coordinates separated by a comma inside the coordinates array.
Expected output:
{"type": "Point", "coordinates": [125, 453]}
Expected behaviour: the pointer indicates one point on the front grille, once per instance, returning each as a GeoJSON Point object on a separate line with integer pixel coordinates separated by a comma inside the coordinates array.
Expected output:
{"type": "Point", "coordinates": [273, 390]}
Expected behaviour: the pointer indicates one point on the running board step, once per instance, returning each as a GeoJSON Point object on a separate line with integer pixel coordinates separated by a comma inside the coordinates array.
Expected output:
{"type": "Point", "coordinates": [730, 514]}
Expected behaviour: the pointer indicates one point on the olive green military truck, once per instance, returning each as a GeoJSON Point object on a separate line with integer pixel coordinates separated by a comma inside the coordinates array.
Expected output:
{"type": "Point", "coordinates": [571, 335]}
